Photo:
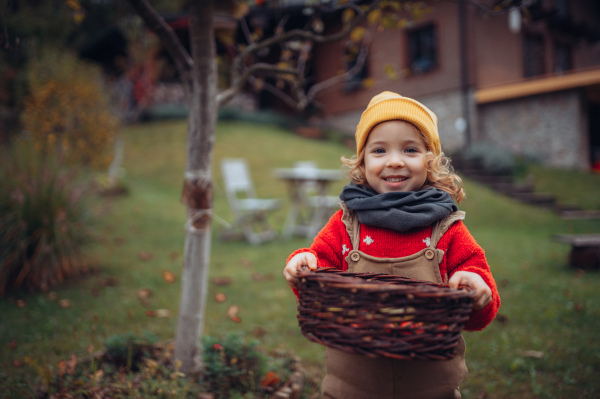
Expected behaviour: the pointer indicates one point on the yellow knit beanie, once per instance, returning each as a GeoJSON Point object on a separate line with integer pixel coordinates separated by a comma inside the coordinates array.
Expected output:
{"type": "Point", "coordinates": [389, 106]}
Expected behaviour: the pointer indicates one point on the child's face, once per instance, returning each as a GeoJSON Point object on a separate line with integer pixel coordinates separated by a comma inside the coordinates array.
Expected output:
{"type": "Point", "coordinates": [395, 158]}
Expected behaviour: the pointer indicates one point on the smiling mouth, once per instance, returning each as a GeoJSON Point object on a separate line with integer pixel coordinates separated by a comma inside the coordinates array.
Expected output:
{"type": "Point", "coordinates": [395, 179]}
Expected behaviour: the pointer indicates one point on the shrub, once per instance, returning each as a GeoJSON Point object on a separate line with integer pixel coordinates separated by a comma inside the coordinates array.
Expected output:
{"type": "Point", "coordinates": [68, 110]}
{"type": "Point", "coordinates": [44, 221]}
{"type": "Point", "coordinates": [232, 365]}
{"type": "Point", "coordinates": [127, 350]}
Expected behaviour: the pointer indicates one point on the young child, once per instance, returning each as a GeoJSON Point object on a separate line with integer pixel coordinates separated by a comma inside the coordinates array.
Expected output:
{"type": "Point", "coordinates": [398, 217]}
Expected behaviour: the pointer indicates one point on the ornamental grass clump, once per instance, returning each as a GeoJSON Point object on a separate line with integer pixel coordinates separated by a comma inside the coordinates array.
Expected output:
{"type": "Point", "coordinates": [44, 221]}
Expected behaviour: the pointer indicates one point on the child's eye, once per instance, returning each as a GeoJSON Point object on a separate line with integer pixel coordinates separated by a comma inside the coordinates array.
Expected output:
{"type": "Point", "coordinates": [379, 151]}
{"type": "Point", "coordinates": [411, 150]}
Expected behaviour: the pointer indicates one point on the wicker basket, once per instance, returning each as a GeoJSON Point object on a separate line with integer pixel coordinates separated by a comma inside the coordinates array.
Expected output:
{"type": "Point", "coordinates": [382, 315]}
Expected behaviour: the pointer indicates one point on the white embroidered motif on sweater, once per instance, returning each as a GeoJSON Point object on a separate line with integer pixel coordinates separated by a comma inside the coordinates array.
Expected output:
{"type": "Point", "coordinates": [345, 249]}
{"type": "Point", "coordinates": [427, 241]}
{"type": "Point", "coordinates": [368, 240]}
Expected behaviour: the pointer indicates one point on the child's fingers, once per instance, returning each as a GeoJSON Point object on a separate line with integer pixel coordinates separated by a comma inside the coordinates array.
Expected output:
{"type": "Point", "coordinates": [483, 293]}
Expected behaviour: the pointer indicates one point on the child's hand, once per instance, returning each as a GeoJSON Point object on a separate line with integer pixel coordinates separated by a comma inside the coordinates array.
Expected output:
{"type": "Point", "coordinates": [483, 293]}
{"type": "Point", "coordinates": [298, 262]}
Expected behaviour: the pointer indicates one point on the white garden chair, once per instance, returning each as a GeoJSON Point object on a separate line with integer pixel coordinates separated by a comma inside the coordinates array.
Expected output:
{"type": "Point", "coordinates": [249, 212]}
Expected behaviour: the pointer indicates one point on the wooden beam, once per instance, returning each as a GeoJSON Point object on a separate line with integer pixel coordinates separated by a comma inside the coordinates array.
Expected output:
{"type": "Point", "coordinates": [538, 86]}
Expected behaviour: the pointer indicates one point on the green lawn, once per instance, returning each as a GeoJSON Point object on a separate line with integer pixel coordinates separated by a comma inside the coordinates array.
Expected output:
{"type": "Point", "coordinates": [545, 343]}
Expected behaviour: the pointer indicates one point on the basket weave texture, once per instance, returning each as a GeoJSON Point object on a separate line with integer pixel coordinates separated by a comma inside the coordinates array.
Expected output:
{"type": "Point", "coordinates": [381, 315]}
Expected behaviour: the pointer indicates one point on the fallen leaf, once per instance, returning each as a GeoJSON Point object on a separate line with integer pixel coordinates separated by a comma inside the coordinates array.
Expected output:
{"type": "Point", "coordinates": [144, 293]}
{"type": "Point", "coordinates": [220, 281]}
{"type": "Point", "coordinates": [502, 319]}
{"type": "Point", "coordinates": [150, 313]}
{"type": "Point", "coordinates": [579, 306]}
{"type": "Point", "coordinates": [12, 345]}
{"type": "Point", "coordinates": [269, 379]}
{"type": "Point", "coordinates": [163, 313]}
{"type": "Point", "coordinates": [17, 363]}
{"type": "Point", "coordinates": [232, 312]}
{"type": "Point", "coordinates": [246, 262]}
{"type": "Point", "coordinates": [21, 303]}
{"type": "Point", "coordinates": [535, 354]}
{"type": "Point", "coordinates": [97, 375]}
{"type": "Point", "coordinates": [220, 297]}
{"type": "Point", "coordinates": [168, 276]}
{"type": "Point", "coordinates": [109, 282]}
{"type": "Point", "coordinates": [145, 255]}
{"type": "Point", "coordinates": [129, 316]}
{"type": "Point", "coordinates": [258, 332]}
{"type": "Point", "coordinates": [174, 255]}
{"type": "Point", "coordinates": [64, 303]}
{"type": "Point", "coordinates": [52, 296]}
{"type": "Point", "coordinates": [119, 241]}
{"type": "Point", "coordinates": [262, 277]}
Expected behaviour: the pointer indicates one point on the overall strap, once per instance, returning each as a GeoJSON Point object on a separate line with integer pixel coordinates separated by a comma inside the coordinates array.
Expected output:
{"type": "Point", "coordinates": [350, 219]}
{"type": "Point", "coordinates": [441, 226]}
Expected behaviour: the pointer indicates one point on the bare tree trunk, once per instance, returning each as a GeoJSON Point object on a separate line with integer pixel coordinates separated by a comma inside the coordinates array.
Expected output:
{"type": "Point", "coordinates": [197, 190]}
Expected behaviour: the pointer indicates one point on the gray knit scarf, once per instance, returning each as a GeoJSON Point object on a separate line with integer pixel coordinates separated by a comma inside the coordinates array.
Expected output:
{"type": "Point", "coordinates": [400, 211]}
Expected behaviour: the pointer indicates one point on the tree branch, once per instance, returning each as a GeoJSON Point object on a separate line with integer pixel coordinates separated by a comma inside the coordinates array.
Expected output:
{"type": "Point", "coordinates": [326, 84]}
{"type": "Point", "coordinates": [170, 41]}
{"type": "Point", "coordinates": [240, 80]}
{"type": "Point", "coordinates": [300, 34]}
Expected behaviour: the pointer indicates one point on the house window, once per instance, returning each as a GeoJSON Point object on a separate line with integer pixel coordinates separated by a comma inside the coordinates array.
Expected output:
{"type": "Point", "coordinates": [533, 52]}
{"type": "Point", "coordinates": [422, 49]}
{"type": "Point", "coordinates": [562, 58]}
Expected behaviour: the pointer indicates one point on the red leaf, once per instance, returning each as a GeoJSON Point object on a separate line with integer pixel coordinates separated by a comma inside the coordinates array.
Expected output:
{"type": "Point", "coordinates": [270, 379]}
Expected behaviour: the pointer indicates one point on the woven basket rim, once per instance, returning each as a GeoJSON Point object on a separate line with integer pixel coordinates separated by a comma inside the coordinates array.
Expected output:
{"type": "Point", "coordinates": [380, 282]}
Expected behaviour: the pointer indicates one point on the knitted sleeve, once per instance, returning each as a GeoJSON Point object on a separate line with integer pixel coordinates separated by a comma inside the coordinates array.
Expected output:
{"type": "Point", "coordinates": [461, 252]}
{"type": "Point", "coordinates": [327, 245]}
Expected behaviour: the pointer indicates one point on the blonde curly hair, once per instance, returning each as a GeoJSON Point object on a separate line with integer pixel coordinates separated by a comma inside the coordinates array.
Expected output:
{"type": "Point", "coordinates": [440, 173]}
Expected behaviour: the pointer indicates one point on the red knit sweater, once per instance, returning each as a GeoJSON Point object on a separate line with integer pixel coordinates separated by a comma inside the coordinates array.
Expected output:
{"type": "Point", "coordinates": [461, 252]}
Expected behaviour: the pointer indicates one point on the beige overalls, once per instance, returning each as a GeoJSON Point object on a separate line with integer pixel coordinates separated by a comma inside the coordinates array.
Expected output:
{"type": "Point", "coordinates": [359, 377]}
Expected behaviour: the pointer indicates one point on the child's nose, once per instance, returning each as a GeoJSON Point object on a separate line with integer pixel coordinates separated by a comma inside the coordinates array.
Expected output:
{"type": "Point", "coordinates": [395, 161]}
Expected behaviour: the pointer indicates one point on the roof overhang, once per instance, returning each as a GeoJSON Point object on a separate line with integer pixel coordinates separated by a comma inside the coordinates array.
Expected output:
{"type": "Point", "coordinates": [543, 85]}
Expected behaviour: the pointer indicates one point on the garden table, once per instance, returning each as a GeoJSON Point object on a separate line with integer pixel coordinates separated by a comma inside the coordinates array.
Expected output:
{"type": "Point", "coordinates": [308, 213]}
{"type": "Point", "coordinates": [585, 250]}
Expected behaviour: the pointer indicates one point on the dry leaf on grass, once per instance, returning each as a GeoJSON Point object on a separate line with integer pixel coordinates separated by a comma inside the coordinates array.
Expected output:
{"type": "Point", "coordinates": [145, 255]}
{"type": "Point", "coordinates": [246, 262]}
{"type": "Point", "coordinates": [220, 297]}
{"type": "Point", "coordinates": [108, 282]}
{"type": "Point", "coordinates": [534, 354]}
{"type": "Point", "coordinates": [21, 303]}
{"type": "Point", "coordinates": [174, 255]}
{"type": "Point", "coordinates": [232, 312]}
{"type": "Point", "coordinates": [144, 293]}
{"type": "Point", "coordinates": [64, 303]}
{"type": "Point", "coordinates": [163, 313]}
{"type": "Point", "coordinates": [168, 276]}
{"type": "Point", "coordinates": [262, 277]}
{"type": "Point", "coordinates": [52, 296]}
{"type": "Point", "coordinates": [259, 332]}
{"type": "Point", "coordinates": [220, 281]}
{"type": "Point", "coordinates": [150, 313]}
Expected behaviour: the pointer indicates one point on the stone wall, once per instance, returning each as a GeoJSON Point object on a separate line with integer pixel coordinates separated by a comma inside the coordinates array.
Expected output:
{"type": "Point", "coordinates": [551, 127]}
